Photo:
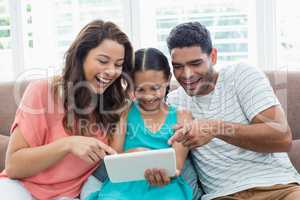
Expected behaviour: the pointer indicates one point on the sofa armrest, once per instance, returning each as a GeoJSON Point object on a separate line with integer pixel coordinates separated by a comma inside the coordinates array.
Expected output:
{"type": "Point", "coordinates": [3, 146]}
{"type": "Point", "coordinates": [294, 154]}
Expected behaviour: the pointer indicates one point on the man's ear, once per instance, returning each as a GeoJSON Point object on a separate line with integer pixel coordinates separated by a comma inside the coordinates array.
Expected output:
{"type": "Point", "coordinates": [214, 56]}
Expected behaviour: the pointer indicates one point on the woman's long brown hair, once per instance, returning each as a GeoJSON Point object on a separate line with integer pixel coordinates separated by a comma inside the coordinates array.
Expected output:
{"type": "Point", "coordinates": [113, 99]}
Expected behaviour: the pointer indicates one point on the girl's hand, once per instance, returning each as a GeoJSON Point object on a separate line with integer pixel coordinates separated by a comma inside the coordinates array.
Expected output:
{"type": "Point", "coordinates": [158, 177]}
{"type": "Point", "coordinates": [88, 149]}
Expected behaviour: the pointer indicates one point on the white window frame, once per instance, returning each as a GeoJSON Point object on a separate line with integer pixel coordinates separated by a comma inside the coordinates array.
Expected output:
{"type": "Point", "coordinates": [16, 12]}
{"type": "Point", "coordinates": [266, 33]}
{"type": "Point", "coordinates": [266, 27]}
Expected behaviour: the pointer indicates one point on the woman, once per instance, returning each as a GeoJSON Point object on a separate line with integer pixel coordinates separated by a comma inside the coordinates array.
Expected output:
{"type": "Point", "coordinates": [60, 129]}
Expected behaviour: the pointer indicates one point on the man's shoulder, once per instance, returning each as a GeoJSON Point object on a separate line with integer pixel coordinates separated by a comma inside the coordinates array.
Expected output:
{"type": "Point", "coordinates": [236, 69]}
{"type": "Point", "coordinates": [239, 69]}
{"type": "Point", "coordinates": [176, 95]}
{"type": "Point", "coordinates": [239, 72]}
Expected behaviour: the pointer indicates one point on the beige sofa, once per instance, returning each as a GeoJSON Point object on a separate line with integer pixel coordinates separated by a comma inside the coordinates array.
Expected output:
{"type": "Point", "coordinates": [285, 84]}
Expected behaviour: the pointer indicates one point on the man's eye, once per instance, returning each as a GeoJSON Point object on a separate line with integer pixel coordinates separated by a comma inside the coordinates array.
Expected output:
{"type": "Point", "coordinates": [196, 64]}
{"type": "Point", "coordinates": [177, 66]}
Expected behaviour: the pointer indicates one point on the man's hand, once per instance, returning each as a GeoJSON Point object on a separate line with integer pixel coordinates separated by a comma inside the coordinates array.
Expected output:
{"type": "Point", "coordinates": [196, 134]}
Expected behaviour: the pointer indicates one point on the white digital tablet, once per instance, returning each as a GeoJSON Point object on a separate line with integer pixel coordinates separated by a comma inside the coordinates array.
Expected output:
{"type": "Point", "coordinates": [132, 166]}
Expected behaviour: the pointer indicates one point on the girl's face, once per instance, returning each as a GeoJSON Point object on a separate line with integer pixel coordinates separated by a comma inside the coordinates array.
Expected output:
{"type": "Point", "coordinates": [150, 89]}
{"type": "Point", "coordinates": [103, 65]}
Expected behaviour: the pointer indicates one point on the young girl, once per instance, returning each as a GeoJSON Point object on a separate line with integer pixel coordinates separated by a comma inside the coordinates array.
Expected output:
{"type": "Point", "coordinates": [149, 126]}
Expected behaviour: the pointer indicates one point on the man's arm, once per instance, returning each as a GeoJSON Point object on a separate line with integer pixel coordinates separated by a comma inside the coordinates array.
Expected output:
{"type": "Point", "coordinates": [267, 132]}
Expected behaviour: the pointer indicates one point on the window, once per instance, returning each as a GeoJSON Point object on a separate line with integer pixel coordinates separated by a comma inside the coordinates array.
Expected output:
{"type": "Point", "coordinates": [37, 33]}
{"type": "Point", "coordinates": [229, 21]}
{"type": "Point", "coordinates": [5, 42]}
{"type": "Point", "coordinates": [288, 34]}
{"type": "Point", "coordinates": [52, 25]}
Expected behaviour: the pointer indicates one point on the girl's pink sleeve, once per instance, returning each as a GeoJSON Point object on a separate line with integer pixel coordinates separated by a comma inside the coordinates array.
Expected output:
{"type": "Point", "coordinates": [30, 116]}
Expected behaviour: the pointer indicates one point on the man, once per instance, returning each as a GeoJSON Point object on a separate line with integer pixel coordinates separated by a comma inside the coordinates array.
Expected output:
{"type": "Point", "coordinates": [240, 134]}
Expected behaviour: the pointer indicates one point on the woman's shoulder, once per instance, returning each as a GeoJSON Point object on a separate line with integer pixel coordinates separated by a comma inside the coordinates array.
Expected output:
{"type": "Point", "coordinates": [45, 84]}
{"type": "Point", "coordinates": [38, 93]}
{"type": "Point", "coordinates": [38, 85]}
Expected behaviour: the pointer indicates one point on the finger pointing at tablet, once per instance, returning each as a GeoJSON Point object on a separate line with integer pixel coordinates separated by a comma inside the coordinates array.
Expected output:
{"type": "Point", "coordinates": [88, 149]}
{"type": "Point", "coordinates": [107, 148]}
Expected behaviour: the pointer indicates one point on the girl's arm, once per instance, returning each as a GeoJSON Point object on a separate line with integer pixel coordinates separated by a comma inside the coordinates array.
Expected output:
{"type": "Point", "coordinates": [158, 177]}
{"type": "Point", "coordinates": [183, 117]}
{"type": "Point", "coordinates": [24, 161]}
{"type": "Point", "coordinates": [118, 138]}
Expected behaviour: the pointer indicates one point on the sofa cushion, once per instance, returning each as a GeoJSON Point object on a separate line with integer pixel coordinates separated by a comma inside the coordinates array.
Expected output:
{"type": "Point", "coordinates": [3, 145]}
{"type": "Point", "coordinates": [294, 154]}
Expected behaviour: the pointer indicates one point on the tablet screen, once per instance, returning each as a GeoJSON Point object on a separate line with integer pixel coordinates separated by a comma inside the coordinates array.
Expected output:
{"type": "Point", "coordinates": [132, 166]}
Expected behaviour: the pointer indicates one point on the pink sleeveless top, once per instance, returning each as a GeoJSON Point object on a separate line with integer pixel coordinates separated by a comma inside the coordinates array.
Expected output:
{"type": "Point", "coordinates": [41, 123]}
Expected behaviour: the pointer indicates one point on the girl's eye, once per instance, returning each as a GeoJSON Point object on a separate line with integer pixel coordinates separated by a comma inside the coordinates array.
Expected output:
{"type": "Point", "coordinates": [139, 90]}
{"type": "Point", "coordinates": [156, 87]}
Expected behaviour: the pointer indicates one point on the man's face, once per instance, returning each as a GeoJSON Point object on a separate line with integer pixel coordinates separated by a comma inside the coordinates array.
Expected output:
{"type": "Point", "coordinates": [193, 69]}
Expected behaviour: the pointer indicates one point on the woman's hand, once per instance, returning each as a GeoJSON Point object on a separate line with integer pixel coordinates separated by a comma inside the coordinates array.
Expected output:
{"type": "Point", "coordinates": [88, 149]}
{"type": "Point", "coordinates": [158, 177]}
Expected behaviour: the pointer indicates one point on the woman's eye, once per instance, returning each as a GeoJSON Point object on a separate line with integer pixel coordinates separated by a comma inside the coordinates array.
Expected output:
{"type": "Point", "coordinates": [119, 65]}
{"type": "Point", "coordinates": [102, 61]}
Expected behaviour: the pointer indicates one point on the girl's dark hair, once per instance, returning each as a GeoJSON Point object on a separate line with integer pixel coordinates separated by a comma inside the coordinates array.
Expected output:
{"type": "Point", "coordinates": [115, 96]}
{"type": "Point", "coordinates": [151, 59]}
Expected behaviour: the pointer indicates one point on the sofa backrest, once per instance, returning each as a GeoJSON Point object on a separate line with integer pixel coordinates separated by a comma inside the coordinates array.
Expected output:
{"type": "Point", "coordinates": [285, 84]}
{"type": "Point", "coordinates": [9, 100]}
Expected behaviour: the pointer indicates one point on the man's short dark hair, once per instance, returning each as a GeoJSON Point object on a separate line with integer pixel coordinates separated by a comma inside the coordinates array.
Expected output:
{"type": "Point", "coordinates": [188, 35]}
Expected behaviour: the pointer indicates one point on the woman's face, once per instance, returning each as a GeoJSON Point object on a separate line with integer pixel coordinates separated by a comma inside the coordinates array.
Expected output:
{"type": "Point", "coordinates": [103, 65]}
{"type": "Point", "coordinates": [150, 89]}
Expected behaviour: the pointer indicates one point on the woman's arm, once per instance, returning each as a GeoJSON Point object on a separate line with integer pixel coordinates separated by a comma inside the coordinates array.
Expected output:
{"type": "Point", "coordinates": [24, 161]}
